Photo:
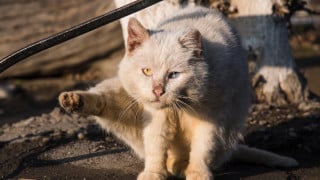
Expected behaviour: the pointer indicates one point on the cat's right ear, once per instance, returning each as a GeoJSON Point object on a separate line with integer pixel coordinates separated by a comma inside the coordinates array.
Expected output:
{"type": "Point", "coordinates": [192, 40]}
{"type": "Point", "coordinates": [137, 34]}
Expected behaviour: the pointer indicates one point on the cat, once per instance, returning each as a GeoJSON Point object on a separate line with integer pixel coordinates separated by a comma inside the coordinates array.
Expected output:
{"type": "Point", "coordinates": [180, 97]}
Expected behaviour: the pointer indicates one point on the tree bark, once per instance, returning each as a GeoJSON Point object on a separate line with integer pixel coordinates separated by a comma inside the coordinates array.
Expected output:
{"type": "Point", "coordinates": [265, 37]}
{"type": "Point", "coordinates": [26, 21]}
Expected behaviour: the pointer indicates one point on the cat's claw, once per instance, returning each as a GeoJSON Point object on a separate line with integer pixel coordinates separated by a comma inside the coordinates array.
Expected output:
{"type": "Point", "coordinates": [70, 101]}
{"type": "Point", "coordinates": [151, 176]}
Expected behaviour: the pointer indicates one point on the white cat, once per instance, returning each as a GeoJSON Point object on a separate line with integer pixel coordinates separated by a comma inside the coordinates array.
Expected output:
{"type": "Point", "coordinates": [180, 98]}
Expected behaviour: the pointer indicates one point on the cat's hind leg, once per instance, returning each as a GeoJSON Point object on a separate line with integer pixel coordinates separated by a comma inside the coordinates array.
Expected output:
{"type": "Point", "coordinates": [82, 102]}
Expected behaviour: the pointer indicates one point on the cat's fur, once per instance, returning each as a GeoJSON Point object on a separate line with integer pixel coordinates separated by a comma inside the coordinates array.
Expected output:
{"type": "Point", "coordinates": [184, 122]}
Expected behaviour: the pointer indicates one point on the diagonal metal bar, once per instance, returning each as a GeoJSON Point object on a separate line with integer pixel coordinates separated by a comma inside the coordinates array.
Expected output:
{"type": "Point", "coordinates": [73, 32]}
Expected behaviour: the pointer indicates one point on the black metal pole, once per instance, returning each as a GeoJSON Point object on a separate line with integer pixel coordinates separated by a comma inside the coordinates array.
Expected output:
{"type": "Point", "coordinates": [73, 32]}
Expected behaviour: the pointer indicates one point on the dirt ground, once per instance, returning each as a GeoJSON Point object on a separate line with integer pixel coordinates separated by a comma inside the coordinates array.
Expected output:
{"type": "Point", "coordinates": [40, 141]}
{"type": "Point", "coordinates": [57, 145]}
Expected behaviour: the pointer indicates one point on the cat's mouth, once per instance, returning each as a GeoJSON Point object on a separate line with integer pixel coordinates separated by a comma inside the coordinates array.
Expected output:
{"type": "Point", "coordinates": [156, 100]}
{"type": "Point", "coordinates": [158, 103]}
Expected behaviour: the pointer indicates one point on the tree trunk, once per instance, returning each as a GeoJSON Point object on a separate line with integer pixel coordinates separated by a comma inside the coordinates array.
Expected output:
{"type": "Point", "coordinates": [264, 36]}
{"type": "Point", "coordinates": [26, 21]}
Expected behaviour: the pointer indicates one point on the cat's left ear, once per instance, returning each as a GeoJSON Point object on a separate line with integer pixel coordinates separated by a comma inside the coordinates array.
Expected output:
{"type": "Point", "coordinates": [137, 34]}
{"type": "Point", "coordinates": [191, 39]}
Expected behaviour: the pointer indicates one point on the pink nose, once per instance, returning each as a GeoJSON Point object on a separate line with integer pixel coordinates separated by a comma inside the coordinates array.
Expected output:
{"type": "Point", "coordinates": [158, 91]}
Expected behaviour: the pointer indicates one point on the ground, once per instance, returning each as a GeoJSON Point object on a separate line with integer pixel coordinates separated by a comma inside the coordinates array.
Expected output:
{"type": "Point", "coordinates": [38, 140]}
{"type": "Point", "coordinates": [57, 145]}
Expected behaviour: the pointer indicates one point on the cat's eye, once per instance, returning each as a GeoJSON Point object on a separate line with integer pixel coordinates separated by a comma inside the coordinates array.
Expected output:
{"type": "Point", "coordinates": [147, 71]}
{"type": "Point", "coordinates": [173, 75]}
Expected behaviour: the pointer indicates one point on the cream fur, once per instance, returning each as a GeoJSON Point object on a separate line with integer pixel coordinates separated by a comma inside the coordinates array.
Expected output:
{"type": "Point", "coordinates": [198, 120]}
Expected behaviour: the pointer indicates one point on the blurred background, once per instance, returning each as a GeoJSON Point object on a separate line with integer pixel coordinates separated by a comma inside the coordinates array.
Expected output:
{"type": "Point", "coordinates": [39, 141]}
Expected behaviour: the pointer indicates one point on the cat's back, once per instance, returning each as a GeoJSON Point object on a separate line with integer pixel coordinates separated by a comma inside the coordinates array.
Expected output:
{"type": "Point", "coordinates": [213, 26]}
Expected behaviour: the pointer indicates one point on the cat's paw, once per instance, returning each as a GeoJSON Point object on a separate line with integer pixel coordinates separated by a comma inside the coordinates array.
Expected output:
{"type": "Point", "coordinates": [145, 175]}
{"type": "Point", "coordinates": [195, 175]}
{"type": "Point", "coordinates": [70, 101]}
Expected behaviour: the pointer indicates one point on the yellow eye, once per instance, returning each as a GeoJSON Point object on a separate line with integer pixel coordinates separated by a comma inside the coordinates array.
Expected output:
{"type": "Point", "coordinates": [147, 71]}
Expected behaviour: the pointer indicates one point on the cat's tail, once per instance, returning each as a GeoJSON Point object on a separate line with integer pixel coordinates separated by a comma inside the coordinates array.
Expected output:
{"type": "Point", "coordinates": [259, 156]}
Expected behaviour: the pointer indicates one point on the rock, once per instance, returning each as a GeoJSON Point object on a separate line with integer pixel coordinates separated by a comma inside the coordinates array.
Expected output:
{"type": "Point", "coordinates": [262, 122]}
{"type": "Point", "coordinates": [109, 139]}
{"type": "Point", "coordinates": [56, 135]}
{"type": "Point", "coordinates": [304, 106]}
{"type": "Point", "coordinates": [307, 106]}
{"type": "Point", "coordinates": [98, 148]}
{"type": "Point", "coordinates": [44, 140]}
{"type": "Point", "coordinates": [70, 132]}
{"type": "Point", "coordinates": [5, 93]}
{"type": "Point", "coordinates": [80, 136]}
{"type": "Point", "coordinates": [306, 114]}
{"type": "Point", "coordinates": [254, 113]}
{"type": "Point", "coordinates": [260, 107]}
{"type": "Point", "coordinates": [290, 116]}
{"type": "Point", "coordinates": [254, 122]}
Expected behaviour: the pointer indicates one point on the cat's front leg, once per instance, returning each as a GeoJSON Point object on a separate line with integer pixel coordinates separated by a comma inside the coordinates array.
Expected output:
{"type": "Point", "coordinates": [155, 147]}
{"type": "Point", "coordinates": [201, 154]}
{"type": "Point", "coordinates": [82, 102]}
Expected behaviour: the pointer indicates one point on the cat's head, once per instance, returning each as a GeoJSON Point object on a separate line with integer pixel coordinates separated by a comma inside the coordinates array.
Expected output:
{"type": "Point", "coordinates": [163, 68]}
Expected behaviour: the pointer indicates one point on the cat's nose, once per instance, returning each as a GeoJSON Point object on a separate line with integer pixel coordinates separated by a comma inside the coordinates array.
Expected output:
{"type": "Point", "coordinates": [158, 91]}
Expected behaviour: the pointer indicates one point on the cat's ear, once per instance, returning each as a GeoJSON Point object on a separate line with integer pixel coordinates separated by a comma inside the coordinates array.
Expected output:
{"type": "Point", "coordinates": [191, 39]}
{"type": "Point", "coordinates": [137, 34]}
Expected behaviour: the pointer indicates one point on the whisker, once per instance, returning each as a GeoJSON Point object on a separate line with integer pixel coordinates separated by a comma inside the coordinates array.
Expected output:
{"type": "Point", "coordinates": [129, 105]}
{"type": "Point", "coordinates": [185, 106]}
{"type": "Point", "coordinates": [189, 98]}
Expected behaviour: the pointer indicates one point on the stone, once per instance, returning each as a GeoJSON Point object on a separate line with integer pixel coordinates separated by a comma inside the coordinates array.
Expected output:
{"type": "Point", "coordinates": [290, 116]}
{"type": "Point", "coordinates": [262, 122]}
{"type": "Point", "coordinates": [80, 136]}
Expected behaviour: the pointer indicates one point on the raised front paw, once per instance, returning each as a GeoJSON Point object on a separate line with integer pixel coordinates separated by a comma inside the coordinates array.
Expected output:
{"type": "Point", "coordinates": [145, 175]}
{"type": "Point", "coordinates": [70, 101]}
